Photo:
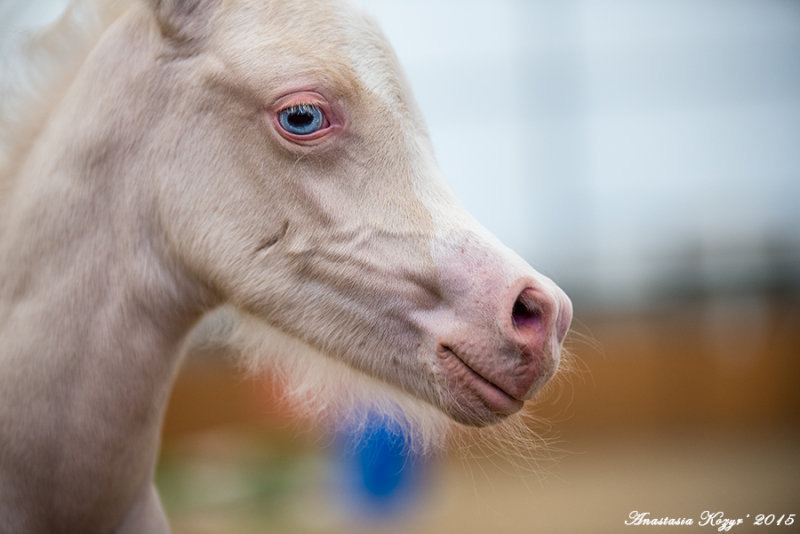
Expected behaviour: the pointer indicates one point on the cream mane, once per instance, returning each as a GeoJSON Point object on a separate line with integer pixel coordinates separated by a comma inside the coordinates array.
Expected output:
{"type": "Point", "coordinates": [37, 65]}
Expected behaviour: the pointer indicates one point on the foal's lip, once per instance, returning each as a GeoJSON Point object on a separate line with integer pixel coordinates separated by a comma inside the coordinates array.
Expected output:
{"type": "Point", "coordinates": [491, 395]}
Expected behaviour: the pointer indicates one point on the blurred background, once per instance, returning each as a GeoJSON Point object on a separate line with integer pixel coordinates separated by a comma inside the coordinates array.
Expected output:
{"type": "Point", "coordinates": [646, 156]}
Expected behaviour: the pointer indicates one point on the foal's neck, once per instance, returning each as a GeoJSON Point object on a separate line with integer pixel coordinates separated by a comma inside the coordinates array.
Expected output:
{"type": "Point", "coordinates": [91, 303]}
{"type": "Point", "coordinates": [91, 327]}
{"type": "Point", "coordinates": [93, 313]}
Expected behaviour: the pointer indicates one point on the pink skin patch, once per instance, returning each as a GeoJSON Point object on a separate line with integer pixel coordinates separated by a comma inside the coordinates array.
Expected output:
{"type": "Point", "coordinates": [500, 340]}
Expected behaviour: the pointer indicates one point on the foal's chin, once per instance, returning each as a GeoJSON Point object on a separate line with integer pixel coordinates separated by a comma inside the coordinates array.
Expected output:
{"type": "Point", "coordinates": [472, 399]}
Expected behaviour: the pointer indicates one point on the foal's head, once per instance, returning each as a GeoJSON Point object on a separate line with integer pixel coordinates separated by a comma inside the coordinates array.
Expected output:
{"type": "Point", "coordinates": [297, 182]}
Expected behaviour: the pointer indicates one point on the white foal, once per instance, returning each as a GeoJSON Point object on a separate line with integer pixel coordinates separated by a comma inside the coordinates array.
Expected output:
{"type": "Point", "coordinates": [261, 154]}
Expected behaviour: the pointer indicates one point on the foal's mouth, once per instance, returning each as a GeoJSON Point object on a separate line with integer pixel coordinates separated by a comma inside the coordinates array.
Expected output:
{"type": "Point", "coordinates": [474, 392]}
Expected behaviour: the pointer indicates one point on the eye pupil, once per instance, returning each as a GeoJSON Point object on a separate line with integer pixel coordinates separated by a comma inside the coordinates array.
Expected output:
{"type": "Point", "coordinates": [304, 119]}
{"type": "Point", "coordinates": [300, 118]}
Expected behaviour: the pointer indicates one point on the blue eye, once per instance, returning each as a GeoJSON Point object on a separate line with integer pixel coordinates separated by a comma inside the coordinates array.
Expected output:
{"type": "Point", "coordinates": [303, 119]}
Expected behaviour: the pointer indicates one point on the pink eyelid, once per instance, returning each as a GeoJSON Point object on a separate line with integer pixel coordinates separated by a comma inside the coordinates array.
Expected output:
{"type": "Point", "coordinates": [305, 98]}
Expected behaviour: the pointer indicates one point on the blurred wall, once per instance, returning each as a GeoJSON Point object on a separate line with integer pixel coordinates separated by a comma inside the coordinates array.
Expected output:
{"type": "Point", "coordinates": [627, 148]}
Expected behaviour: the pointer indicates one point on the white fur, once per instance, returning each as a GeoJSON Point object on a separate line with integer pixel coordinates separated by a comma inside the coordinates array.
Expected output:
{"type": "Point", "coordinates": [329, 391]}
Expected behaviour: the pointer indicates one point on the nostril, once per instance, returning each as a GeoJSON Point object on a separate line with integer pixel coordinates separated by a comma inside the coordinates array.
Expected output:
{"type": "Point", "coordinates": [526, 313]}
